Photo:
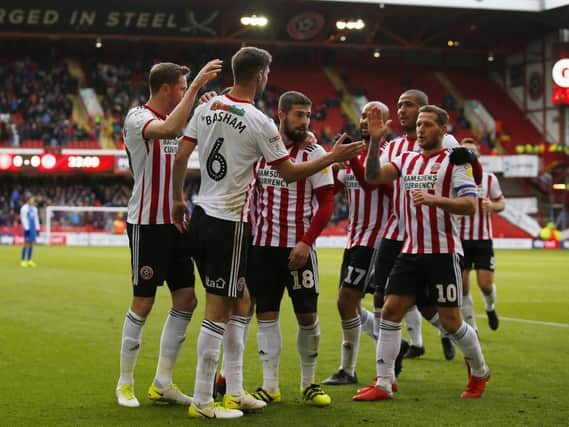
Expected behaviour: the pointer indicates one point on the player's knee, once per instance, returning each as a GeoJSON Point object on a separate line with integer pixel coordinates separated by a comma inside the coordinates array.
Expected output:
{"type": "Point", "coordinates": [451, 321]}
{"type": "Point", "coordinates": [393, 311]}
{"type": "Point", "coordinates": [347, 307]}
{"type": "Point", "coordinates": [142, 306]}
{"type": "Point", "coordinates": [185, 301]}
{"type": "Point", "coordinates": [306, 319]}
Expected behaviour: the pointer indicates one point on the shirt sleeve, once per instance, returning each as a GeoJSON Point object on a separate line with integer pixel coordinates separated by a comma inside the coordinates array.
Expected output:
{"type": "Point", "coordinates": [384, 157]}
{"type": "Point", "coordinates": [397, 163]}
{"type": "Point", "coordinates": [462, 181]}
{"type": "Point", "coordinates": [495, 192]}
{"type": "Point", "coordinates": [269, 141]}
{"type": "Point", "coordinates": [322, 178]}
{"type": "Point", "coordinates": [137, 121]}
{"type": "Point", "coordinates": [450, 141]}
{"type": "Point", "coordinates": [24, 217]}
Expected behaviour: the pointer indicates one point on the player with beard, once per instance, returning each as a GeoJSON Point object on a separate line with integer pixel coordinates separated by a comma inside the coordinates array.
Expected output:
{"type": "Point", "coordinates": [231, 134]}
{"type": "Point", "coordinates": [287, 220]}
{"type": "Point", "coordinates": [408, 106]}
{"type": "Point", "coordinates": [370, 206]}
{"type": "Point", "coordinates": [427, 270]}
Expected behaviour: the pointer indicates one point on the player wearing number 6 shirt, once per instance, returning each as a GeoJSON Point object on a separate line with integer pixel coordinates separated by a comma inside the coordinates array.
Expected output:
{"type": "Point", "coordinates": [370, 206]}
{"type": "Point", "coordinates": [288, 218]}
{"type": "Point", "coordinates": [150, 133]}
{"type": "Point", "coordinates": [428, 268]}
{"type": "Point", "coordinates": [476, 235]}
{"type": "Point", "coordinates": [231, 135]}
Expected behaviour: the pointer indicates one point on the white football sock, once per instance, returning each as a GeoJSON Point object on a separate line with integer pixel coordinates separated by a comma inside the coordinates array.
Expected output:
{"type": "Point", "coordinates": [467, 340]}
{"type": "Point", "coordinates": [270, 343]}
{"type": "Point", "coordinates": [490, 300]}
{"type": "Point", "coordinates": [233, 347]}
{"type": "Point", "coordinates": [367, 321]}
{"type": "Point", "coordinates": [208, 348]}
{"type": "Point", "coordinates": [413, 324]}
{"type": "Point", "coordinates": [173, 335]}
{"type": "Point", "coordinates": [468, 310]}
{"type": "Point", "coordinates": [351, 330]}
{"type": "Point", "coordinates": [308, 343]}
{"type": "Point", "coordinates": [388, 345]}
{"type": "Point", "coordinates": [130, 346]}
{"type": "Point", "coordinates": [376, 320]}
{"type": "Point", "coordinates": [436, 322]}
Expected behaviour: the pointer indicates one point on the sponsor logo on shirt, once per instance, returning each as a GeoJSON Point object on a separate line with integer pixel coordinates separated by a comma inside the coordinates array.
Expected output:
{"type": "Point", "coordinates": [419, 182]}
{"type": "Point", "coordinates": [217, 105]}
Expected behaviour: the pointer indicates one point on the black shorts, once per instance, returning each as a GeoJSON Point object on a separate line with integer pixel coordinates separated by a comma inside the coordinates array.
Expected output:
{"type": "Point", "coordinates": [219, 248]}
{"type": "Point", "coordinates": [387, 253]}
{"type": "Point", "coordinates": [268, 275]}
{"type": "Point", "coordinates": [158, 253]}
{"type": "Point", "coordinates": [479, 253]}
{"type": "Point", "coordinates": [356, 268]}
{"type": "Point", "coordinates": [434, 279]}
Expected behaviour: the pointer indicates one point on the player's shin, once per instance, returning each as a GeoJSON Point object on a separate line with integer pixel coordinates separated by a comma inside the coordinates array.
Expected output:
{"type": "Point", "coordinates": [173, 335]}
{"type": "Point", "coordinates": [308, 344]}
{"type": "Point", "coordinates": [467, 340]}
{"type": "Point", "coordinates": [233, 347]}
{"type": "Point", "coordinates": [351, 330]}
{"type": "Point", "coordinates": [468, 310]}
{"type": "Point", "coordinates": [269, 341]}
{"type": "Point", "coordinates": [208, 349]}
{"type": "Point", "coordinates": [130, 346]}
{"type": "Point", "coordinates": [388, 344]}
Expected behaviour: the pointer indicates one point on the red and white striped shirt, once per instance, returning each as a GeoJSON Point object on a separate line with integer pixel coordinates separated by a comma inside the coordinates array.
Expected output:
{"type": "Point", "coordinates": [282, 212]}
{"type": "Point", "coordinates": [429, 229]}
{"type": "Point", "coordinates": [479, 225]}
{"type": "Point", "coordinates": [151, 162]}
{"type": "Point", "coordinates": [369, 209]}
{"type": "Point", "coordinates": [395, 227]}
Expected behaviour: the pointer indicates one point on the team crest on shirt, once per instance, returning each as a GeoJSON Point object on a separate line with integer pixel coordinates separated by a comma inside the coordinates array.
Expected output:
{"type": "Point", "coordinates": [146, 272]}
{"type": "Point", "coordinates": [435, 168]}
{"type": "Point", "coordinates": [241, 284]}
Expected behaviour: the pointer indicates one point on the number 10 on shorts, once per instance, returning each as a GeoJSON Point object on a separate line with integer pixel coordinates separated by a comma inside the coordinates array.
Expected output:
{"type": "Point", "coordinates": [446, 293]}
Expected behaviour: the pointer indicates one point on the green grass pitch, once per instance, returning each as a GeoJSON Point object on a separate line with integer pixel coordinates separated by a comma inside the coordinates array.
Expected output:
{"type": "Point", "coordinates": [60, 326]}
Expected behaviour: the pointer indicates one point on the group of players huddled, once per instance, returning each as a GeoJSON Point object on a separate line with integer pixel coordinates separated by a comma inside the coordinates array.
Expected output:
{"type": "Point", "coordinates": [266, 193]}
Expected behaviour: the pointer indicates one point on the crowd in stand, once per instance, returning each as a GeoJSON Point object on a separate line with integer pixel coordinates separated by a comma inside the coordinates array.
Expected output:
{"type": "Point", "coordinates": [35, 103]}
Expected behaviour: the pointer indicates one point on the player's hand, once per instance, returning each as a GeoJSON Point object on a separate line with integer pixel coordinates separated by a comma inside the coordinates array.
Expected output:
{"type": "Point", "coordinates": [342, 152]}
{"type": "Point", "coordinates": [487, 205]}
{"type": "Point", "coordinates": [181, 215]}
{"type": "Point", "coordinates": [298, 256]}
{"type": "Point", "coordinates": [376, 127]}
{"type": "Point", "coordinates": [207, 96]}
{"type": "Point", "coordinates": [461, 156]}
{"type": "Point", "coordinates": [340, 165]}
{"type": "Point", "coordinates": [209, 72]}
{"type": "Point", "coordinates": [423, 198]}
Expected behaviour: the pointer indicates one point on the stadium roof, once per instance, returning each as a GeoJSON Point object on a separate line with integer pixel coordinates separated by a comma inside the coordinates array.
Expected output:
{"type": "Point", "coordinates": [518, 5]}
{"type": "Point", "coordinates": [477, 25]}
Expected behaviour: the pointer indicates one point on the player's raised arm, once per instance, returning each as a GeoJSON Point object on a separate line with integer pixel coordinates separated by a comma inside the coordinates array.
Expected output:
{"type": "Point", "coordinates": [174, 123]}
{"type": "Point", "coordinates": [340, 152]}
{"type": "Point", "coordinates": [377, 129]}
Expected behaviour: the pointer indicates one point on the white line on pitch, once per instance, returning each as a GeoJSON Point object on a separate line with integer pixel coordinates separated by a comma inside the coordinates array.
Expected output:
{"type": "Point", "coordinates": [511, 319]}
{"type": "Point", "coordinates": [534, 322]}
